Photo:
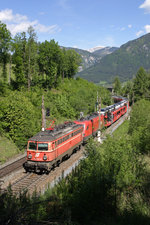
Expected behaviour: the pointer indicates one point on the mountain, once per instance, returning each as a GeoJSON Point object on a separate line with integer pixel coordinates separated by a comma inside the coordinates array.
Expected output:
{"type": "Point", "coordinates": [88, 58]}
{"type": "Point", "coordinates": [123, 62]}
{"type": "Point", "coordinates": [104, 51]}
{"type": "Point", "coordinates": [95, 48]}
{"type": "Point", "coordinates": [92, 56]}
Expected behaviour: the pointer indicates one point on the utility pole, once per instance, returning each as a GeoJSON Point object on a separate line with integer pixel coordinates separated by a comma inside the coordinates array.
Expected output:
{"type": "Point", "coordinates": [43, 114]}
{"type": "Point", "coordinates": [128, 116]}
{"type": "Point", "coordinates": [97, 102]}
{"type": "Point", "coordinates": [99, 112]}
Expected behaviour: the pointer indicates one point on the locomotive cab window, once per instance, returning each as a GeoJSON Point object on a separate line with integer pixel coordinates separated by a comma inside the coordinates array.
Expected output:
{"type": "Point", "coordinates": [43, 146]}
{"type": "Point", "coordinates": [32, 145]}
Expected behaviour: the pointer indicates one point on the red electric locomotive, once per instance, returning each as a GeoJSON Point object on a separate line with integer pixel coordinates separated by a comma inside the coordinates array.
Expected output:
{"type": "Point", "coordinates": [91, 125]}
{"type": "Point", "coordinates": [48, 148]}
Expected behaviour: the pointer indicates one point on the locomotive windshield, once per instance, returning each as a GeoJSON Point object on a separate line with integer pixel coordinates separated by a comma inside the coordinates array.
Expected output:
{"type": "Point", "coordinates": [43, 146]}
{"type": "Point", "coordinates": [32, 145]}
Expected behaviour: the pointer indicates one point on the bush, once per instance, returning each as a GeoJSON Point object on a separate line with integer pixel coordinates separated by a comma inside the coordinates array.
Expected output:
{"type": "Point", "coordinates": [139, 126]}
{"type": "Point", "coordinates": [20, 119]}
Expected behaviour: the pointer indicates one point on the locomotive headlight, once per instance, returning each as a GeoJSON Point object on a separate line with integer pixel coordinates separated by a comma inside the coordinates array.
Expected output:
{"type": "Point", "coordinates": [29, 156]}
{"type": "Point", "coordinates": [44, 157]}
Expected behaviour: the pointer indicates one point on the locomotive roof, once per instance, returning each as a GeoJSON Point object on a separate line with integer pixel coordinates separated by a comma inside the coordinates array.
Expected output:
{"type": "Point", "coordinates": [90, 117]}
{"type": "Point", "coordinates": [58, 131]}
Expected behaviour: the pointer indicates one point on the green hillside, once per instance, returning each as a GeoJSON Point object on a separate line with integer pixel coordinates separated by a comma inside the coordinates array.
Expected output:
{"type": "Point", "coordinates": [7, 149]}
{"type": "Point", "coordinates": [123, 63]}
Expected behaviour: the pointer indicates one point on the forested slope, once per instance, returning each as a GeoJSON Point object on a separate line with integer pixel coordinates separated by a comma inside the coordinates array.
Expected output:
{"type": "Point", "coordinates": [20, 111]}
{"type": "Point", "coordinates": [123, 63]}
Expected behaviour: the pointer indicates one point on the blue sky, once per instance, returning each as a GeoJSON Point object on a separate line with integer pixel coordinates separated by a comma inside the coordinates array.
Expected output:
{"type": "Point", "coordinates": [79, 23]}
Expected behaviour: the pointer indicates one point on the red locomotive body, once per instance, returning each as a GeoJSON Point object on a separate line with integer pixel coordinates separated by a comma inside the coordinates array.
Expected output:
{"type": "Point", "coordinates": [48, 148]}
{"type": "Point", "coordinates": [90, 124]}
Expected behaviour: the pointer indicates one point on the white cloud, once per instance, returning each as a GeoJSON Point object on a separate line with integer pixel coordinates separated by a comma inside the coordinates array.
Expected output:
{"type": "Point", "coordinates": [7, 16]}
{"type": "Point", "coordinates": [146, 6]}
{"type": "Point", "coordinates": [47, 29]}
{"type": "Point", "coordinates": [19, 23]}
{"type": "Point", "coordinates": [75, 46]}
{"type": "Point", "coordinates": [147, 28]}
{"type": "Point", "coordinates": [20, 27]}
{"type": "Point", "coordinates": [129, 26]}
{"type": "Point", "coordinates": [140, 32]}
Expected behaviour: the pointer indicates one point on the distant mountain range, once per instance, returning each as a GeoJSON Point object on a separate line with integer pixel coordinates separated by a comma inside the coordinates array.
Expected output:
{"type": "Point", "coordinates": [92, 56]}
{"type": "Point", "coordinates": [123, 62]}
{"type": "Point", "coordinates": [95, 48]}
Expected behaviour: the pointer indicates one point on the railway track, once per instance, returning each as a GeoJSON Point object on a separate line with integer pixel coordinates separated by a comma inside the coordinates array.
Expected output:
{"type": "Point", "coordinates": [12, 167]}
{"type": "Point", "coordinates": [28, 182]}
{"type": "Point", "coordinates": [40, 182]}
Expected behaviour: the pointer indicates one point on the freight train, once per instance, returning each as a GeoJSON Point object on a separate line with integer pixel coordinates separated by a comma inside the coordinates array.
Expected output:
{"type": "Point", "coordinates": [49, 148]}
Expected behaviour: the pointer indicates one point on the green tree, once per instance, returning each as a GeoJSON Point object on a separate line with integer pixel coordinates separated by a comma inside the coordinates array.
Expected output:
{"type": "Point", "coordinates": [117, 85]}
{"type": "Point", "coordinates": [141, 85]}
{"type": "Point", "coordinates": [31, 56]}
{"type": "Point", "coordinates": [104, 179]}
{"type": "Point", "coordinates": [139, 126]}
{"type": "Point", "coordinates": [19, 59]}
{"type": "Point", "coordinates": [127, 90]}
{"type": "Point", "coordinates": [73, 62]}
{"type": "Point", "coordinates": [5, 38]}
{"type": "Point", "coordinates": [49, 62]}
{"type": "Point", "coordinates": [19, 118]}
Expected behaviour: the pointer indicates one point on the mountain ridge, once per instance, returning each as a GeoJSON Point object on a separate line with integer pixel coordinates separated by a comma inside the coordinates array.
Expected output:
{"type": "Point", "coordinates": [91, 58]}
{"type": "Point", "coordinates": [123, 62]}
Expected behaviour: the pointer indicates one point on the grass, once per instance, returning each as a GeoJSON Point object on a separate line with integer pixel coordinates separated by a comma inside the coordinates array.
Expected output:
{"type": "Point", "coordinates": [122, 130]}
{"type": "Point", "coordinates": [7, 149]}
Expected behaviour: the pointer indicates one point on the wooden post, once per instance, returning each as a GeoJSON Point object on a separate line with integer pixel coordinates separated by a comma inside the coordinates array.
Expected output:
{"type": "Point", "coordinates": [99, 130]}
{"type": "Point", "coordinates": [43, 114]}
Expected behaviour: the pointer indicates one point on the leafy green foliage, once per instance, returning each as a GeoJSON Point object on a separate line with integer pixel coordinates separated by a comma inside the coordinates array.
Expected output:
{"type": "Point", "coordinates": [141, 84]}
{"type": "Point", "coordinates": [20, 111]}
{"type": "Point", "coordinates": [140, 126]}
{"type": "Point", "coordinates": [5, 38]}
{"type": "Point", "coordinates": [108, 176]}
{"type": "Point", "coordinates": [49, 60]}
{"type": "Point", "coordinates": [127, 90]}
{"type": "Point", "coordinates": [56, 62]}
{"type": "Point", "coordinates": [20, 120]}
{"type": "Point", "coordinates": [35, 64]}
{"type": "Point", "coordinates": [117, 86]}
